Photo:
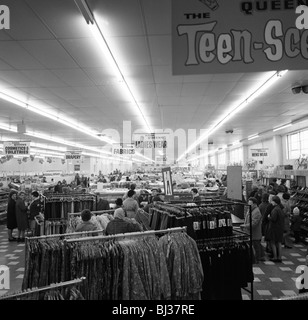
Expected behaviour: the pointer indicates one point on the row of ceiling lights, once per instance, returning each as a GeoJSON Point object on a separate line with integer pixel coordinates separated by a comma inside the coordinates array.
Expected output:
{"type": "Point", "coordinates": [251, 137]}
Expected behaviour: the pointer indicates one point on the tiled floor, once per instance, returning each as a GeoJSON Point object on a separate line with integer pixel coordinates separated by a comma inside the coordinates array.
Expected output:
{"type": "Point", "coordinates": [272, 280]}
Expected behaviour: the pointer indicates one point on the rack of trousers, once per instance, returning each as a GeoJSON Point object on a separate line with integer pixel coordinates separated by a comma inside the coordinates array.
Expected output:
{"type": "Point", "coordinates": [55, 226]}
{"type": "Point", "coordinates": [147, 265]}
{"type": "Point", "coordinates": [227, 267]}
{"type": "Point", "coordinates": [222, 246]}
{"type": "Point", "coordinates": [208, 219]}
{"type": "Point", "coordinates": [58, 206]}
{"type": "Point", "coordinates": [66, 290]}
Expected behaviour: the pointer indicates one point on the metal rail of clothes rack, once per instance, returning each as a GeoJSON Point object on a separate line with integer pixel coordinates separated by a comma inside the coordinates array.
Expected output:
{"type": "Point", "coordinates": [301, 296]}
{"type": "Point", "coordinates": [72, 214]}
{"type": "Point", "coordinates": [46, 288]}
{"type": "Point", "coordinates": [62, 235]}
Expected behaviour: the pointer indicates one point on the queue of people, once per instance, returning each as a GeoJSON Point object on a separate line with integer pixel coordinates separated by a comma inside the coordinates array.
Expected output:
{"type": "Point", "coordinates": [21, 214]}
{"type": "Point", "coordinates": [273, 219]}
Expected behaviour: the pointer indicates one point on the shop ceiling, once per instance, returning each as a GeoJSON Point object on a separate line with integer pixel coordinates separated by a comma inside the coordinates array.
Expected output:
{"type": "Point", "coordinates": [50, 59]}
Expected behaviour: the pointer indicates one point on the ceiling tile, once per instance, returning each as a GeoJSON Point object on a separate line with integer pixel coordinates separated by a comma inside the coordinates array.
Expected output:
{"type": "Point", "coordinates": [16, 56]}
{"type": "Point", "coordinates": [49, 53]}
{"type": "Point", "coordinates": [44, 78]}
{"type": "Point", "coordinates": [73, 77]}
{"type": "Point", "coordinates": [25, 24]}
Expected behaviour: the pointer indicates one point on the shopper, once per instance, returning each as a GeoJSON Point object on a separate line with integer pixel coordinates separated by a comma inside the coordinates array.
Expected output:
{"type": "Point", "coordinates": [11, 221]}
{"type": "Point", "coordinates": [276, 228]}
{"type": "Point", "coordinates": [256, 225]}
{"type": "Point", "coordinates": [118, 203]}
{"type": "Point", "coordinates": [102, 204]}
{"type": "Point", "coordinates": [132, 187]}
{"type": "Point", "coordinates": [58, 187]}
{"type": "Point", "coordinates": [35, 208]}
{"type": "Point", "coordinates": [296, 222]}
{"type": "Point", "coordinates": [21, 215]}
{"type": "Point", "coordinates": [287, 213]}
{"type": "Point", "coordinates": [122, 224]}
{"type": "Point", "coordinates": [86, 224]}
{"type": "Point", "coordinates": [283, 184]}
{"type": "Point", "coordinates": [196, 196]}
{"type": "Point", "coordinates": [130, 205]}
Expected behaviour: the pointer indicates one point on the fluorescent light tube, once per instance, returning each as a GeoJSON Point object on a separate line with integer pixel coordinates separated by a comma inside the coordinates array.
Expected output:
{"type": "Point", "coordinates": [264, 86]}
{"type": "Point", "coordinates": [282, 127]}
{"type": "Point", "coordinates": [253, 137]}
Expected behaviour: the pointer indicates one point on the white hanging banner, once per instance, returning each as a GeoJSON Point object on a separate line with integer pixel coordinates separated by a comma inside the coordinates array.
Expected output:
{"type": "Point", "coordinates": [151, 140]}
{"type": "Point", "coordinates": [16, 147]}
{"type": "Point", "coordinates": [232, 36]}
{"type": "Point", "coordinates": [259, 153]}
{"type": "Point", "coordinates": [123, 149]}
{"type": "Point", "coordinates": [73, 155]}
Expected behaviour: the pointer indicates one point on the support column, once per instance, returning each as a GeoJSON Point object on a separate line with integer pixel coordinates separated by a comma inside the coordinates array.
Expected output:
{"type": "Point", "coordinates": [277, 151]}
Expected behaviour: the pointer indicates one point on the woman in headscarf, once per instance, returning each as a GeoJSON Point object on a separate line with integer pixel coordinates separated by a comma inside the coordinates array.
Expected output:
{"type": "Point", "coordinates": [11, 215]}
{"type": "Point", "coordinates": [21, 215]}
{"type": "Point", "coordinates": [122, 224]}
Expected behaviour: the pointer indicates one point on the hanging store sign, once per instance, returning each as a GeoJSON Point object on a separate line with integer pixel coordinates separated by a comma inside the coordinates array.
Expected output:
{"type": "Point", "coordinates": [151, 140]}
{"type": "Point", "coordinates": [167, 180]}
{"type": "Point", "coordinates": [123, 149]}
{"type": "Point", "coordinates": [220, 36]}
{"type": "Point", "coordinates": [73, 155]}
{"type": "Point", "coordinates": [16, 147]}
{"type": "Point", "coordinates": [77, 167]}
{"type": "Point", "coordinates": [259, 153]}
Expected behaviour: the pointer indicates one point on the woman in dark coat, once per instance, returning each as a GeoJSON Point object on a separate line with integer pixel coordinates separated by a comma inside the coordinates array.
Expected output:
{"type": "Point", "coordinates": [21, 215]}
{"type": "Point", "coordinates": [11, 221]}
{"type": "Point", "coordinates": [276, 228]}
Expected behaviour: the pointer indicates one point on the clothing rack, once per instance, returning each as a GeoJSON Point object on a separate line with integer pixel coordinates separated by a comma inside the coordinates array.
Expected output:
{"type": "Point", "coordinates": [60, 235]}
{"type": "Point", "coordinates": [59, 205]}
{"type": "Point", "coordinates": [46, 288]}
{"type": "Point", "coordinates": [129, 235]}
{"type": "Point", "coordinates": [174, 207]}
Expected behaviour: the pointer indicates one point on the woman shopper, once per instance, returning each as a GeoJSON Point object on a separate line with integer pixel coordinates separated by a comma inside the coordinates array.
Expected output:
{"type": "Point", "coordinates": [21, 215]}
{"type": "Point", "coordinates": [34, 209]}
{"type": "Point", "coordinates": [256, 224]}
{"type": "Point", "coordinates": [121, 224]}
{"type": "Point", "coordinates": [130, 205]}
{"type": "Point", "coordinates": [11, 215]}
{"type": "Point", "coordinates": [276, 228]}
{"type": "Point", "coordinates": [287, 224]}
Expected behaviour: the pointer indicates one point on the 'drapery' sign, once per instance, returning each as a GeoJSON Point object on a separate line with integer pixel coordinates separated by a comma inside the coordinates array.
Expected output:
{"type": "Point", "coordinates": [223, 36]}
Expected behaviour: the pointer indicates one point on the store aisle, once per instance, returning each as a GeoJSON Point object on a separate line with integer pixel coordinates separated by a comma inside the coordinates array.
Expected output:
{"type": "Point", "coordinates": [272, 280]}
{"type": "Point", "coordinates": [12, 254]}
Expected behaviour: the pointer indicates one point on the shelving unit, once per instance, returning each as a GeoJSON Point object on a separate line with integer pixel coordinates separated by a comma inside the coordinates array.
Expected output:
{"type": "Point", "coordinates": [300, 200]}
{"type": "Point", "coordinates": [3, 204]}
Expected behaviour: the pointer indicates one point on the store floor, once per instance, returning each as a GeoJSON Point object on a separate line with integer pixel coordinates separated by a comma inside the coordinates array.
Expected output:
{"type": "Point", "coordinates": [272, 280]}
